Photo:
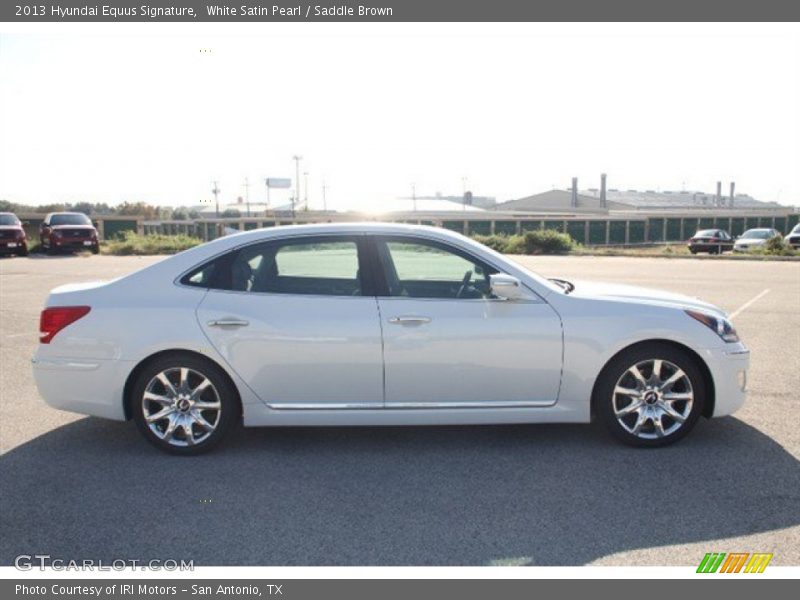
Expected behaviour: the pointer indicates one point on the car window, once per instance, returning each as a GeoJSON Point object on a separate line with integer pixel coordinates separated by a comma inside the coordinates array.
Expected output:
{"type": "Point", "coordinates": [327, 267]}
{"type": "Point", "coordinates": [422, 269]}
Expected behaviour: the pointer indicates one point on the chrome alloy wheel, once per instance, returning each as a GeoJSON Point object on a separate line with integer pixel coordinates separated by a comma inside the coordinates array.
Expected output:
{"type": "Point", "coordinates": [181, 406]}
{"type": "Point", "coordinates": [653, 399]}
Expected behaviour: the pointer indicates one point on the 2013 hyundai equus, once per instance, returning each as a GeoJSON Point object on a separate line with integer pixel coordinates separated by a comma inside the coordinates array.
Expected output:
{"type": "Point", "coordinates": [379, 324]}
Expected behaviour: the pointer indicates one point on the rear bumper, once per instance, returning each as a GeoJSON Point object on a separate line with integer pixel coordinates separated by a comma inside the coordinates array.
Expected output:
{"type": "Point", "coordinates": [85, 386]}
{"type": "Point", "coordinates": [728, 368]}
{"type": "Point", "coordinates": [12, 246]}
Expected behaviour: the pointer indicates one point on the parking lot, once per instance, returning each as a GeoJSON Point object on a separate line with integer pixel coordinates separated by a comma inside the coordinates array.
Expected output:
{"type": "Point", "coordinates": [77, 487]}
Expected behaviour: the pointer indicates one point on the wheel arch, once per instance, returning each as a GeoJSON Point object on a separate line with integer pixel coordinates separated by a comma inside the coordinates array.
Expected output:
{"type": "Point", "coordinates": [145, 362]}
{"type": "Point", "coordinates": [708, 379]}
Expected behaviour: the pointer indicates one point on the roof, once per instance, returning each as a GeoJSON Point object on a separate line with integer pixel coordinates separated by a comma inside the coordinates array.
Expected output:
{"type": "Point", "coordinates": [555, 200]}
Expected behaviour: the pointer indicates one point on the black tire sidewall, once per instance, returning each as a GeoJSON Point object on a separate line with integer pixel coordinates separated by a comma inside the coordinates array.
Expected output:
{"type": "Point", "coordinates": [231, 408]}
{"type": "Point", "coordinates": [603, 399]}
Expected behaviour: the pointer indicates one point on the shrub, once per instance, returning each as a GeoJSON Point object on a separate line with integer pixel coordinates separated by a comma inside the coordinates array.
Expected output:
{"type": "Point", "coordinates": [776, 246]}
{"type": "Point", "coordinates": [499, 243]}
{"type": "Point", "coordinates": [547, 241]}
{"type": "Point", "coordinates": [131, 243]}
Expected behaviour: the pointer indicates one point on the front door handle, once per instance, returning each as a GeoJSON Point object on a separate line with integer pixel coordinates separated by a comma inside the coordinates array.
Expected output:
{"type": "Point", "coordinates": [409, 320]}
{"type": "Point", "coordinates": [228, 323]}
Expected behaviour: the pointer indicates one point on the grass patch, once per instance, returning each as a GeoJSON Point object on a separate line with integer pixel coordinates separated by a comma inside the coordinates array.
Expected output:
{"type": "Point", "coordinates": [130, 244]}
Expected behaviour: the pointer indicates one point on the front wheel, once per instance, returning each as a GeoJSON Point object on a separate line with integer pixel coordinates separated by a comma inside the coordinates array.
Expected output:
{"type": "Point", "coordinates": [184, 404]}
{"type": "Point", "coordinates": [650, 395]}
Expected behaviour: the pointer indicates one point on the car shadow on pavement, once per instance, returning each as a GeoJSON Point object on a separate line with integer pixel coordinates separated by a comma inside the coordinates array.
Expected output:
{"type": "Point", "coordinates": [533, 494]}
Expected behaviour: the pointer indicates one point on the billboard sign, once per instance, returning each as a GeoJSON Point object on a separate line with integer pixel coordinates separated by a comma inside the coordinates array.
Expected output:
{"type": "Point", "coordinates": [277, 182]}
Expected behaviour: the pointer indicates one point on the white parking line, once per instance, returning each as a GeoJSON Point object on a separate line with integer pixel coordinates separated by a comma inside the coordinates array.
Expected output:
{"type": "Point", "coordinates": [738, 311]}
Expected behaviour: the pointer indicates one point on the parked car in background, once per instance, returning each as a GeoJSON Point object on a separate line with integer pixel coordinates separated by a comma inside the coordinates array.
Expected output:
{"type": "Point", "coordinates": [12, 236]}
{"type": "Point", "coordinates": [713, 241]}
{"type": "Point", "coordinates": [754, 238]}
{"type": "Point", "coordinates": [379, 324]}
{"type": "Point", "coordinates": [68, 231]}
{"type": "Point", "coordinates": [793, 238]}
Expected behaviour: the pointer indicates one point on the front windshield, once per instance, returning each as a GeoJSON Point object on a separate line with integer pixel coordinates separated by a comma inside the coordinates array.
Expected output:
{"type": "Point", "coordinates": [9, 220]}
{"type": "Point", "coordinates": [758, 234]}
{"type": "Point", "coordinates": [75, 219]}
{"type": "Point", "coordinates": [796, 228]}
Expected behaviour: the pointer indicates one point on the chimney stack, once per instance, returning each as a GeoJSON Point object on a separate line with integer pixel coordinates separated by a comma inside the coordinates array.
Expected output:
{"type": "Point", "coordinates": [574, 199]}
{"type": "Point", "coordinates": [730, 200]}
{"type": "Point", "coordinates": [603, 190]}
{"type": "Point", "coordinates": [718, 198]}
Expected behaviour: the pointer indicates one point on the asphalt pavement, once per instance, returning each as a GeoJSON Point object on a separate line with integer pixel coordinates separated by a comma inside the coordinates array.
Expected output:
{"type": "Point", "coordinates": [79, 487]}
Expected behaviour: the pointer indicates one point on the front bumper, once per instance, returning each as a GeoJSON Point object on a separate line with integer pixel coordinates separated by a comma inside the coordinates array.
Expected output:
{"type": "Point", "coordinates": [728, 366]}
{"type": "Point", "coordinates": [86, 386]}
{"type": "Point", "coordinates": [71, 242]}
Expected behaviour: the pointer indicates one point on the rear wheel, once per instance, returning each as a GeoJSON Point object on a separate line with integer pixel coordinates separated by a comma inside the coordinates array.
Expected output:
{"type": "Point", "coordinates": [184, 404]}
{"type": "Point", "coordinates": [650, 395]}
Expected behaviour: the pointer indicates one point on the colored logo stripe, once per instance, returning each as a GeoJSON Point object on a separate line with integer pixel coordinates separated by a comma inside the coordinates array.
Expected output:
{"type": "Point", "coordinates": [734, 562]}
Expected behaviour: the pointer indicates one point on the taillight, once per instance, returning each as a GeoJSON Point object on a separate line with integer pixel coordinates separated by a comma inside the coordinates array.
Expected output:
{"type": "Point", "coordinates": [56, 318]}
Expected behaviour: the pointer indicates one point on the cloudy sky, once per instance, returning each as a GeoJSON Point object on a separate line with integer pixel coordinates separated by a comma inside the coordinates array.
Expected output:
{"type": "Point", "coordinates": [155, 113]}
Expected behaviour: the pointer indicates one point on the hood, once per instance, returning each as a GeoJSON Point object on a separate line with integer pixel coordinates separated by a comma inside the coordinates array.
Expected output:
{"type": "Point", "coordinates": [72, 226]}
{"type": "Point", "coordinates": [750, 242]}
{"type": "Point", "coordinates": [11, 228]}
{"type": "Point", "coordinates": [641, 295]}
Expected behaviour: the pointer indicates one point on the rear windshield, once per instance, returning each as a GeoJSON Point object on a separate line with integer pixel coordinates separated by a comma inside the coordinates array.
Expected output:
{"type": "Point", "coordinates": [9, 220]}
{"type": "Point", "coordinates": [706, 233]}
{"type": "Point", "coordinates": [70, 220]}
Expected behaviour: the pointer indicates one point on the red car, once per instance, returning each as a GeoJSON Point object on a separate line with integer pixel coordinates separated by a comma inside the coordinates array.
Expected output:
{"type": "Point", "coordinates": [12, 236]}
{"type": "Point", "coordinates": [68, 231]}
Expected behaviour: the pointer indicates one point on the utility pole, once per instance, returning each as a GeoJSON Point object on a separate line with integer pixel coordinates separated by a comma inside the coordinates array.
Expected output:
{"type": "Point", "coordinates": [414, 195]}
{"type": "Point", "coordinates": [266, 185]}
{"type": "Point", "coordinates": [215, 191]}
{"type": "Point", "coordinates": [296, 158]}
{"type": "Point", "coordinates": [247, 194]}
{"type": "Point", "coordinates": [324, 198]}
{"type": "Point", "coordinates": [464, 193]}
{"type": "Point", "coordinates": [305, 184]}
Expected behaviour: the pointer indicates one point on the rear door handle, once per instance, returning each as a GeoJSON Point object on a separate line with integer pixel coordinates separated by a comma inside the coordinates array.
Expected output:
{"type": "Point", "coordinates": [409, 320]}
{"type": "Point", "coordinates": [228, 323]}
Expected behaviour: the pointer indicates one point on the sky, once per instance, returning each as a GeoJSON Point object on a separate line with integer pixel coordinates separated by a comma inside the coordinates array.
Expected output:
{"type": "Point", "coordinates": [156, 113]}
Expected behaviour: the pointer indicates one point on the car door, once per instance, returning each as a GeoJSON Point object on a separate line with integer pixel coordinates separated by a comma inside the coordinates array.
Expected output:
{"type": "Point", "coordinates": [448, 343]}
{"type": "Point", "coordinates": [297, 321]}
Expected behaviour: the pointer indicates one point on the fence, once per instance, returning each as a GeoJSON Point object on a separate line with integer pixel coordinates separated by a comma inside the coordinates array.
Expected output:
{"type": "Point", "coordinates": [590, 231]}
{"type": "Point", "coordinates": [654, 229]}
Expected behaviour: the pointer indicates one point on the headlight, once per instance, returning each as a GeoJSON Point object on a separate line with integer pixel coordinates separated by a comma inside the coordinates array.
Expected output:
{"type": "Point", "coordinates": [722, 327]}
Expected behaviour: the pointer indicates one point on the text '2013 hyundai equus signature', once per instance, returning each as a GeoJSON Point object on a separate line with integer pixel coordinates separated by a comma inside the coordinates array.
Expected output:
{"type": "Point", "coordinates": [379, 324]}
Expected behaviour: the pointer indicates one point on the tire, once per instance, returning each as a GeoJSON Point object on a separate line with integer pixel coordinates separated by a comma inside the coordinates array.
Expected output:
{"type": "Point", "coordinates": [23, 252]}
{"type": "Point", "coordinates": [208, 426]}
{"type": "Point", "coordinates": [634, 418]}
{"type": "Point", "coordinates": [96, 249]}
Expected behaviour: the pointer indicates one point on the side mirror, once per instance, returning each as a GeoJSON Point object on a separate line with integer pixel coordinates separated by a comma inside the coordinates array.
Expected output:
{"type": "Point", "coordinates": [505, 287]}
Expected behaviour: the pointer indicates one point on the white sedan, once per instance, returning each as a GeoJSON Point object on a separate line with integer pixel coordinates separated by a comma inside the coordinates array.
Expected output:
{"type": "Point", "coordinates": [379, 324]}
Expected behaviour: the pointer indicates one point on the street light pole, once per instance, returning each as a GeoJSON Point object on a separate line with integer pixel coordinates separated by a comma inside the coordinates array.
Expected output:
{"type": "Point", "coordinates": [414, 195]}
{"type": "Point", "coordinates": [215, 191]}
{"type": "Point", "coordinates": [247, 194]}
{"type": "Point", "coordinates": [305, 183]}
{"type": "Point", "coordinates": [296, 158]}
{"type": "Point", "coordinates": [324, 198]}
